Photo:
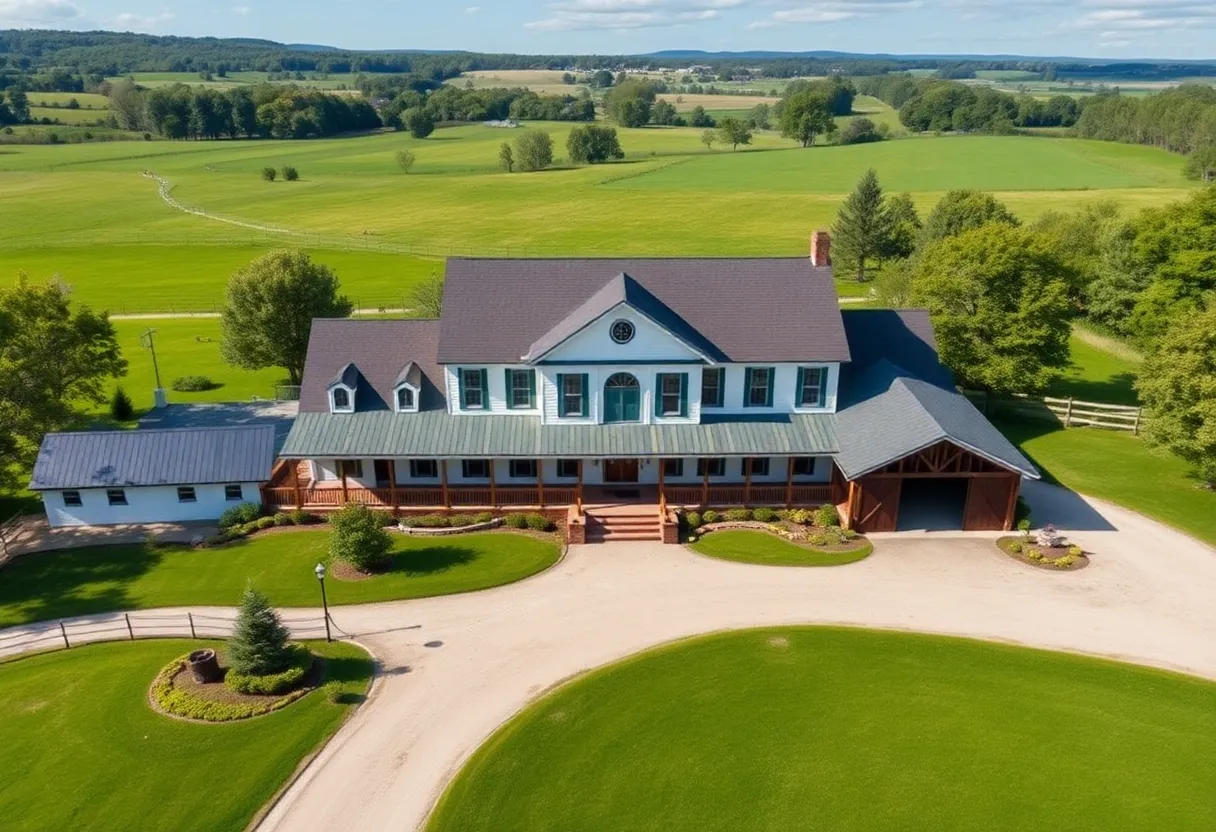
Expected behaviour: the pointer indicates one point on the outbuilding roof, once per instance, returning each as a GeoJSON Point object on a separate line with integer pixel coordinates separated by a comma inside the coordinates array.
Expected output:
{"type": "Point", "coordinates": [189, 456]}
{"type": "Point", "coordinates": [745, 309]}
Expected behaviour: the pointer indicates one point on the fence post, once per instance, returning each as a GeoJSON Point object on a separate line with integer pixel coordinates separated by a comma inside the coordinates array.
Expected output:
{"type": "Point", "coordinates": [63, 631]}
{"type": "Point", "coordinates": [1068, 414]}
{"type": "Point", "coordinates": [130, 631]}
{"type": "Point", "coordinates": [1136, 424]}
{"type": "Point", "coordinates": [190, 617]}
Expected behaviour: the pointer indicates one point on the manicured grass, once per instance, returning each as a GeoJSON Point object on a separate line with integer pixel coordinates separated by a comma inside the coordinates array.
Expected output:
{"type": "Point", "coordinates": [1121, 468]}
{"type": "Point", "coordinates": [94, 754]}
{"type": "Point", "coordinates": [81, 581]}
{"type": "Point", "coordinates": [824, 728]}
{"type": "Point", "coordinates": [1097, 375]}
{"type": "Point", "coordinates": [746, 546]}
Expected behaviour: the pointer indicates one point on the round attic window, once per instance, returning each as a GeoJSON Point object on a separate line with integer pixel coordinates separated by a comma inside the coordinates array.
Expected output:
{"type": "Point", "coordinates": [622, 331]}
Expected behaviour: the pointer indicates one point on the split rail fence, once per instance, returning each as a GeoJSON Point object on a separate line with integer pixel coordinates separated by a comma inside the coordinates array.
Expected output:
{"type": "Point", "coordinates": [1067, 412]}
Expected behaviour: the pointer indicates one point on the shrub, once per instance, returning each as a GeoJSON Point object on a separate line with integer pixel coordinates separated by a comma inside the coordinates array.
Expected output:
{"type": "Point", "coordinates": [458, 520]}
{"type": "Point", "coordinates": [359, 538]}
{"type": "Point", "coordinates": [264, 523]}
{"type": "Point", "coordinates": [693, 519]}
{"type": "Point", "coordinates": [193, 384]}
{"type": "Point", "coordinates": [333, 693]}
{"type": "Point", "coordinates": [1034, 554]}
{"type": "Point", "coordinates": [483, 517]}
{"type": "Point", "coordinates": [710, 516]}
{"type": "Point", "coordinates": [290, 173]}
{"type": "Point", "coordinates": [239, 515]}
{"type": "Point", "coordinates": [737, 515]}
{"type": "Point", "coordinates": [1065, 561]}
{"type": "Point", "coordinates": [272, 683]}
{"type": "Point", "coordinates": [765, 515]}
{"type": "Point", "coordinates": [269, 173]}
{"type": "Point", "coordinates": [405, 160]}
{"type": "Point", "coordinates": [216, 540]}
{"type": "Point", "coordinates": [258, 646]}
{"type": "Point", "coordinates": [1022, 512]}
{"type": "Point", "coordinates": [426, 521]}
{"type": "Point", "coordinates": [121, 409]}
{"type": "Point", "coordinates": [538, 522]}
{"type": "Point", "coordinates": [385, 518]}
{"type": "Point", "coordinates": [517, 521]}
{"type": "Point", "coordinates": [179, 702]}
{"type": "Point", "coordinates": [1024, 527]}
{"type": "Point", "coordinates": [1075, 551]}
{"type": "Point", "coordinates": [282, 518]}
{"type": "Point", "coordinates": [826, 515]}
{"type": "Point", "coordinates": [802, 517]}
{"type": "Point", "coordinates": [300, 517]}
{"type": "Point", "coordinates": [1015, 548]}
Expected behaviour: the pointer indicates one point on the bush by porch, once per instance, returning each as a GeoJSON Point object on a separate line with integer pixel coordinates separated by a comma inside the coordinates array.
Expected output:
{"type": "Point", "coordinates": [762, 546]}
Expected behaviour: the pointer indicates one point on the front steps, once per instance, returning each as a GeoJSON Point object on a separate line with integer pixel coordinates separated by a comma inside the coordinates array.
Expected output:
{"type": "Point", "coordinates": [623, 523]}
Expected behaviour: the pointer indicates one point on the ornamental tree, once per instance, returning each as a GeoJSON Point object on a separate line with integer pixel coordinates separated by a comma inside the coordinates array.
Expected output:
{"type": "Point", "coordinates": [270, 307]}
{"type": "Point", "coordinates": [359, 538]}
{"type": "Point", "coordinates": [999, 300]}
{"type": "Point", "coordinates": [258, 646]}
{"type": "Point", "coordinates": [1178, 387]}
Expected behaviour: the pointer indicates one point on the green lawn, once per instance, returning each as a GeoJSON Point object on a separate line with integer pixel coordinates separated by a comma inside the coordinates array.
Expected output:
{"type": "Point", "coordinates": [93, 754]}
{"type": "Point", "coordinates": [81, 581]}
{"type": "Point", "coordinates": [801, 728]}
{"type": "Point", "coordinates": [759, 547]}
{"type": "Point", "coordinates": [1121, 468]}
{"type": "Point", "coordinates": [1097, 375]}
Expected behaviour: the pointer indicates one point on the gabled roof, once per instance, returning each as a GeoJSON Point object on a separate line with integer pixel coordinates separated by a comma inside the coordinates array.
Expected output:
{"type": "Point", "coordinates": [624, 290]}
{"type": "Point", "coordinates": [190, 456]}
{"type": "Point", "coordinates": [382, 350]}
{"type": "Point", "coordinates": [897, 398]}
{"type": "Point", "coordinates": [348, 376]}
{"type": "Point", "coordinates": [748, 309]}
{"type": "Point", "coordinates": [410, 374]}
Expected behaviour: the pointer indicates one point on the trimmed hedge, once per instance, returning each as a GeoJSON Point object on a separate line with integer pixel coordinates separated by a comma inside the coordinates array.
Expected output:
{"type": "Point", "coordinates": [193, 384]}
{"type": "Point", "coordinates": [272, 683]}
{"type": "Point", "coordinates": [176, 701]}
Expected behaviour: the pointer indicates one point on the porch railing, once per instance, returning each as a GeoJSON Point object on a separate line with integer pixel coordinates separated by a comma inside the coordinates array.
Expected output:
{"type": "Point", "coordinates": [405, 497]}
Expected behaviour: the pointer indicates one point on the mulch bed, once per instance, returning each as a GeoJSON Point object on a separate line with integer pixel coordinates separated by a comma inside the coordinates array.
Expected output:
{"type": "Point", "coordinates": [792, 532]}
{"type": "Point", "coordinates": [220, 692]}
{"type": "Point", "coordinates": [1050, 555]}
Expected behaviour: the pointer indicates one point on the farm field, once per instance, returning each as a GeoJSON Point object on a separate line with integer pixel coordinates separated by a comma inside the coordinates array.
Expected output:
{"type": "Point", "coordinates": [66, 116]}
{"type": "Point", "coordinates": [540, 81]}
{"type": "Point", "coordinates": [687, 102]}
{"type": "Point", "coordinates": [86, 100]}
{"type": "Point", "coordinates": [88, 213]}
{"type": "Point", "coordinates": [856, 729]}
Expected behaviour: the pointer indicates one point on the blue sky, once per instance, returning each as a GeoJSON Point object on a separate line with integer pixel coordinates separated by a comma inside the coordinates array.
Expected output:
{"type": "Point", "coordinates": [1099, 28]}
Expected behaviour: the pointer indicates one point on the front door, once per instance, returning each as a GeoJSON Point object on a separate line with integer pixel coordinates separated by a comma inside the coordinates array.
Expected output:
{"type": "Point", "coordinates": [384, 474]}
{"type": "Point", "coordinates": [620, 470]}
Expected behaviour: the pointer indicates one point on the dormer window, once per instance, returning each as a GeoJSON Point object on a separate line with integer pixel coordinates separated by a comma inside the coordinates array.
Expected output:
{"type": "Point", "coordinates": [341, 400]}
{"type": "Point", "coordinates": [407, 399]}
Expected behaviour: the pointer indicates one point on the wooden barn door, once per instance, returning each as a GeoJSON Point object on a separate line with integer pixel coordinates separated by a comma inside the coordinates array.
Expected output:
{"type": "Point", "coordinates": [879, 504]}
{"type": "Point", "coordinates": [988, 501]}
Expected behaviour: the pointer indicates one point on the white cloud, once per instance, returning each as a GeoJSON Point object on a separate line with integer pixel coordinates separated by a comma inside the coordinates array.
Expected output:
{"type": "Point", "coordinates": [243, 11]}
{"type": "Point", "coordinates": [472, 10]}
{"type": "Point", "coordinates": [623, 15]}
{"type": "Point", "coordinates": [129, 21]}
{"type": "Point", "coordinates": [1131, 16]}
{"type": "Point", "coordinates": [834, 11]}
{"type": "Point", "coordinates": [25, 12]}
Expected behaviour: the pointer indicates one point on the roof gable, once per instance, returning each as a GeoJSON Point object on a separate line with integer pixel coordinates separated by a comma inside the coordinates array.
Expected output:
{"type": "Point", "coordinates": [738, 309]}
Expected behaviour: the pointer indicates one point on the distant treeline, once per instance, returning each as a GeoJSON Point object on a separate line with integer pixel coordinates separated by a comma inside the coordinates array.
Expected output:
{"type": "Point", "coordinates": [1182, 119]}
{"type": "Point", "coordinates": [453, 103]}
{"type": "Point", "coordinates": [939, 104]}
{"type": "Point", "coordinates": [272, 110]}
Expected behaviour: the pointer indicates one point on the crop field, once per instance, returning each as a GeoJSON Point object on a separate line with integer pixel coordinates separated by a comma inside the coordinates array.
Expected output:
{"type": "Point", "coordinates": [540, 81]}
{"type": "Point", "coordinates": [686, 102]}
{"type": "Point", "coordinates": [88, 213]}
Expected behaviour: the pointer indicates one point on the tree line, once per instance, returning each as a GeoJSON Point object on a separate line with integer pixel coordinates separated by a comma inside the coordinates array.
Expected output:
{"type": "Point", "coordinates": [1182, 119]}
{"type": "Point", "coordinates": [940, 104]}
{"type": "Point", "coordinates": [453, 103]}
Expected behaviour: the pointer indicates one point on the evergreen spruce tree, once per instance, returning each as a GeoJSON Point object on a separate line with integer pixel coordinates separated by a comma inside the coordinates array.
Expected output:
{"type": "Point", "coordinates": [863, 226]}
{"type": "Point", "coordinates": [258, 646]}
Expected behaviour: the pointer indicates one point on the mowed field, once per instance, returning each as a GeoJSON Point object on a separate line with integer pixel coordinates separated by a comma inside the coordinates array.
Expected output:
{"type": "Point", "coordinates": [87, 213]}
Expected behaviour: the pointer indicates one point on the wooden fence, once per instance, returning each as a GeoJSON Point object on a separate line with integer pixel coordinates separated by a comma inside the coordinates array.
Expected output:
{"type": "Point", "coordinates": [1068, 412]}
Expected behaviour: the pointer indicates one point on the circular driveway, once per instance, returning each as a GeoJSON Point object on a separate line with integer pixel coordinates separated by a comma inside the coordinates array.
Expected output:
{"type": "Point", "coordinates": [455, 668]}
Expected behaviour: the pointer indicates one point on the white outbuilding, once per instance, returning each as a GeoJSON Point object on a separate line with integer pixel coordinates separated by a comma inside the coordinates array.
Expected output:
{"type": "Point", "coordinates": [97, 478]}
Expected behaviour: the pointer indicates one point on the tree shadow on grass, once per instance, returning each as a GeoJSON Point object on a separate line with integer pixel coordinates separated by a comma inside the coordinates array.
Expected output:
{"type": "Point", "coordinates": [1117, 389]}
{"type": "Point", "coordinates": [72, 582]}
{"type": "Point", "coordinates": [431, 560]}
{"type": "Point", "coordinates": [349, 670]}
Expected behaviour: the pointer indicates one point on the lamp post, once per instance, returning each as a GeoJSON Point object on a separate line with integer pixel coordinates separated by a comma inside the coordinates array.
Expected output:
{"type": "Point", "coordinates": [320, 570]}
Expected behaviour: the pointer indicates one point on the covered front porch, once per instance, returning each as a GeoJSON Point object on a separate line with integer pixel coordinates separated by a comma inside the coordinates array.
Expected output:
{"type": "Point", "coordinates": [515, 484]}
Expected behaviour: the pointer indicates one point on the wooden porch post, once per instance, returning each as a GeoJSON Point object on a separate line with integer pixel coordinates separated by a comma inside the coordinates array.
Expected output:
{"type": "Point", "coordinates": [443, 482]}
{"type": "Point", "coordinates": [662, 466]}
{"type": "Point", "coordinates": [342, 465]}
{"type": "Point", "coordinates": [493, 486]}
{"type": "Point", "coordinates": [1012, 510]}
{"type": "Point", "coordinates": [848, 508]}
{"type": "Point", "coordinates": [295, 483]}
{"type": "Point", "coordinates": [392, 485]}
{"type": "Point", "coordinates": [540, 482]}
{"type": "Point", "coordinates": [747, 481]}
{"type": "Point", "coordinates": [789, 483]}
{"type": "Point", "coordinates": [580, 481]}
{"type": "Point", "coordinates": [705, 487]}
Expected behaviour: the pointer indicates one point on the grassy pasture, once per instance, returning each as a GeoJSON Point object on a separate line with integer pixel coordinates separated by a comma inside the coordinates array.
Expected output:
{"type": "Point", "coordinates": [806, 728]}
{"type": "Point", "coordinates": [686, 102]}
{"type": "Point", "coordinates": [66, 116]}
{"type": "Point", "coordinates": [86, 100]}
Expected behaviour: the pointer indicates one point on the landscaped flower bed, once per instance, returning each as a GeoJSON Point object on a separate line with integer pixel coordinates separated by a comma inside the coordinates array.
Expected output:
{"type": "Point", "coordinates": [175, 691]}
{"type": "Point", "coordinates": [798, 537]}
{"type": "Point", "coordinates": [1046, 549]}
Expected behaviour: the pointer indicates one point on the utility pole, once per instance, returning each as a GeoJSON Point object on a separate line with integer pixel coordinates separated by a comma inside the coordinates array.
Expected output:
{"type": "Point", "coordinates": [147, 339]}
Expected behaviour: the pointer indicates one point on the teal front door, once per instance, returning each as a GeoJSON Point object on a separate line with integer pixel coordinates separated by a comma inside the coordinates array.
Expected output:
{"type": "Point", "coordinates": [622, 399]}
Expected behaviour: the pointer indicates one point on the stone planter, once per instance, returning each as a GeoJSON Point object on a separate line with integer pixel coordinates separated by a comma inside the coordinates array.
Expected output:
{"type": "Point", "coordinates": [204, 666]}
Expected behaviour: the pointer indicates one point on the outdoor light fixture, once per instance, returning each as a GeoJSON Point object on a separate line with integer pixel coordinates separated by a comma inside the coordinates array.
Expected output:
{"type": "Point", "coordinates": [320, 571]}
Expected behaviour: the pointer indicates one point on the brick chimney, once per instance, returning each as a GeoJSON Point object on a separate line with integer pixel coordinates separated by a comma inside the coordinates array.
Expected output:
{"type": "Point", "coordinates": [821, 248]}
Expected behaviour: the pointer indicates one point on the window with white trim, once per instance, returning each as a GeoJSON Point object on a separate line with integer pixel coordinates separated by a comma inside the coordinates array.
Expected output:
{"type": "Point", "coordinates": [341, 399]}
{"type": "Point", "coordinates": [572, 395]}
{"type": "Point", "coordinates": [812, 386]}
{"type": "Point", "coordinates": [405, 399]}
{"type": "Point", "coordinates": [713, 382]}
{"type": "Point", "coordinates": [759, 392]}
{"type": "Point", "coordinates": [521, 389]}
{"type": "Point", "coordinates": [671, 393]}
{"type": "Point", "coordinates": [474, 393]}
{"type": "Point", "coordinates": [567, 469]}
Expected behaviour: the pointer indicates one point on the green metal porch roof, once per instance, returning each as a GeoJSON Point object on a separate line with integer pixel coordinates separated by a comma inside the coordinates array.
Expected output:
{"type": "Point", "coordinates": [436, 433]}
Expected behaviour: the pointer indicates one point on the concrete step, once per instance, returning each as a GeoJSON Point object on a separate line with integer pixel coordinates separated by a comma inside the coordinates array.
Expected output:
{"type": "Point", "coordinates": [615, 522]}
{"type": "Point", "coordinates": [612, 536]}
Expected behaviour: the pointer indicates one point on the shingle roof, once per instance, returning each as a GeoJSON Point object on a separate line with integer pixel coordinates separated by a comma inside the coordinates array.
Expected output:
{"type": "Point", "coordinates": [382, 350]}
{"type": "Point", "coordinates": [190, 456]}
{"type": "Point", "coordinates": [438, 434]}
{"type": "Point", "coordinates": [896, 398]}
{"type": "Point", "coordinates": [410, 374]}
{"type": "Point", "coordinates": [623, 289]}
{"type": "Point", "coordinates": [348, 376]}
{"type": "Point", "coordinates": [750, 309]}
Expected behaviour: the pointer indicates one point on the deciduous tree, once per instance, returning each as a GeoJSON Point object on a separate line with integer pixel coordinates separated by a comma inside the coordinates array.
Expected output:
{"type": "Point", "coordinates": [506, 158]}
{"type": "Point", "coordinates": [534, 150]}
{"type": "Point", "coordinates": [734, 132]}
{"type": "Point", "coordinates": [629, 102]}
{"type": "Point", "coordinates": [270, 307]}
{"type": "Point", "coordinates": [591, 144]}
{"type": "Point", "coordinates": [426, 297]}
{"type": "Point", "coordinates": [999, 300]}
{"type": "Point", "coordinates": [406, 159]}
{"type": "Point", "coordinates": [963, 210]}
{"type": "Point", "coordinates": [418, 121]}
{"type": "Point", "coordinates": [1178, 386]}
{"type": "Point", "coordinates": [804, 116]}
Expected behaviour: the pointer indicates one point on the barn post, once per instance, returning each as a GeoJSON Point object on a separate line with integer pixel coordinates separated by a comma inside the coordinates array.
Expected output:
{"type": "Point", "coordinates": [342, 466]}
{"type": "Point", "coordinates": [295, 483]}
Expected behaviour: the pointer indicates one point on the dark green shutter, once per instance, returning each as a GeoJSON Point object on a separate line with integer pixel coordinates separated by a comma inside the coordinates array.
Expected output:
{"type": "Point", "coordinates": [586, 395]}
{"type": "Point", "coordinates": [561, 395]}
{"type": "Point", "coordinates": [460, 383]}
{"type": "Point", "coordinates": [747, 386]}
{"type": "Point", "coordinates": [485, 390]}
{"type": "Point", "coordinates": [823, 386]}
{"type": "Point", "coordinates": [532, 388]}
{"type": "Point", "coordinates": [798, 390]}
{"type": "Point", "coordinates": [658, 394]}
{"type": "Point", "coordinates": [683, 394]}
{"type": "Point", "coordinates": [509, 397]}
{"type": "Point", "coordinates": [772, 376]}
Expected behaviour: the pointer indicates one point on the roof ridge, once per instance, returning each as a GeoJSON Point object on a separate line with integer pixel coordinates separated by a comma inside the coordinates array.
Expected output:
{"type": "Point", "coordinates": [140, 431]}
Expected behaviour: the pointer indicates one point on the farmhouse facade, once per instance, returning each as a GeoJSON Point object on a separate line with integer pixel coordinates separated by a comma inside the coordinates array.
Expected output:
{"type": "Point", "coordinates": [595, 388]}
